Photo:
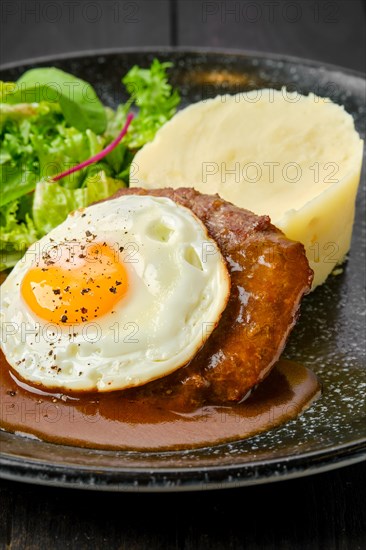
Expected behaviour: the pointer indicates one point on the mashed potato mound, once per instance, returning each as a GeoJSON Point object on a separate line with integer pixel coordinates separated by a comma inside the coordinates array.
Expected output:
{"type": "Point", "coordinates": [296, 158]}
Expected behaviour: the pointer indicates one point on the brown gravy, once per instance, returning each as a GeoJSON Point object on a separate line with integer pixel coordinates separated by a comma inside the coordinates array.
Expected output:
{"type": "Point", "coordinates": [112, 421]}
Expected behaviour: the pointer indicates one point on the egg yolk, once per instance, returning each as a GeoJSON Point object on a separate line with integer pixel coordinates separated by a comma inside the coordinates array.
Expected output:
{"type": "Point", "coordinates": [76, 289]}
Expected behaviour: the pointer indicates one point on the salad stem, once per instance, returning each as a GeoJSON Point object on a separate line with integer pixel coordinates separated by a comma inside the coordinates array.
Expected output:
{"type": "Point", "coordinates": [100, 155]}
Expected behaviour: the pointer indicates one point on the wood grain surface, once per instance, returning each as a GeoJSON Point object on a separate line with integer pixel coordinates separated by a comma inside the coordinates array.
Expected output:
{"type": "Point", "coordinates": [332, 31]}
{"type": "Point", "coordinates": [326, 511]}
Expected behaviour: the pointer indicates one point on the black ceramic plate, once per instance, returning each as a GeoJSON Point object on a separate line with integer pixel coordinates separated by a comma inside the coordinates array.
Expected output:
{"type": "Point", "coordinates": [329, 337]}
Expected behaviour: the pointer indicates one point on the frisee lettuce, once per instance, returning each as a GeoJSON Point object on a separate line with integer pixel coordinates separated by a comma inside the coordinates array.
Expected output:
{"type": "Point", "coordinates": [48, 126]}
{"type": "Point", "coordinates": [157, 101]}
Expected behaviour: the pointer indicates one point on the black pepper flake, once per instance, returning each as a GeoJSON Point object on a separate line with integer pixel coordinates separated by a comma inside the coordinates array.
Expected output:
{"type": "Point", "coordinates": [12, 393]}
{"type": "Point", "coordinates": [50, 352]}
{"type": "Point", "coordinates": [118, 283]}
{"type": "Point", "coordinates": [88, 233]}
{"type": "Point", "coordinates": [113, 290]}
{"type": "Point", "coordinates": [82, 256]}
{"type": "Point", "coordinates": [67, 288]}
{"type": "Point", "coordinates": [84, 319]}
{"type": "Point", "coordinates": [83, 215]}
{"type": "Point", "coordinates": [64, 319]}
{"type": "Point", "coordinates": [84, 310]}
{"type": "Point", "coordinates": [85, 290]}
{"type": "Point", "coordinates": [56, 291]}
{"type": "Point", "coordinates": [121, 248]}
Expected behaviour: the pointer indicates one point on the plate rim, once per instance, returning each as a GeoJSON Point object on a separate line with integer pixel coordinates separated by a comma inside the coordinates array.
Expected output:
{"type": "Point", "coordinates": [42, 472]}
{"type": "Point", "coordinates": [184, 49]}
{"type": "Point", "coordinates": [149, 480]}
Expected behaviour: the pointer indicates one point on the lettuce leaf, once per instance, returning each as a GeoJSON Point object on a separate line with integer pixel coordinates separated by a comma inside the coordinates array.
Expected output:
{"type": "Point", "coordinates": [15, 236]}
{"type": "Point", "coordinates": [52, 202]}
{"type": "Point", "coordinates": [39, 146]}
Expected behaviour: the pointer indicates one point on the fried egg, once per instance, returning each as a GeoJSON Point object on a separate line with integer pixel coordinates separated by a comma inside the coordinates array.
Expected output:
{"type": "Point", "coordinates": [121, 293]}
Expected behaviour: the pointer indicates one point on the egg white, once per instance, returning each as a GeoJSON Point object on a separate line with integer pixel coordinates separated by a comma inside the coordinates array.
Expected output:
{"type": "Point", "coordinates": [178, 288]}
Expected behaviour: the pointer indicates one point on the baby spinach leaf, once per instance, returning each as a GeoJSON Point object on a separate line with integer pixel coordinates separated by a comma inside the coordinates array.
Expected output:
{"type": "Point", "coordinates": [78, 100]}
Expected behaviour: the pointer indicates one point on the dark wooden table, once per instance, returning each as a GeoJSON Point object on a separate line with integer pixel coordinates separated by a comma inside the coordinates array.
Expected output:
{"type": "Point", "coordinates": [327, 511]}
{"type": "Point", "coordinates": [323, 512]}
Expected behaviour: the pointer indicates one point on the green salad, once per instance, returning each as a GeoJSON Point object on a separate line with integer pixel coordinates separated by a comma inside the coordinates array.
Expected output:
{"type": "Point", "coordinates": [51, 121]}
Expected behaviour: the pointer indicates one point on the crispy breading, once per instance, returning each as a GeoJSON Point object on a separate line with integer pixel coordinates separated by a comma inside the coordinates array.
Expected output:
{"type": "Point", "coordinates": [269, 276]}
